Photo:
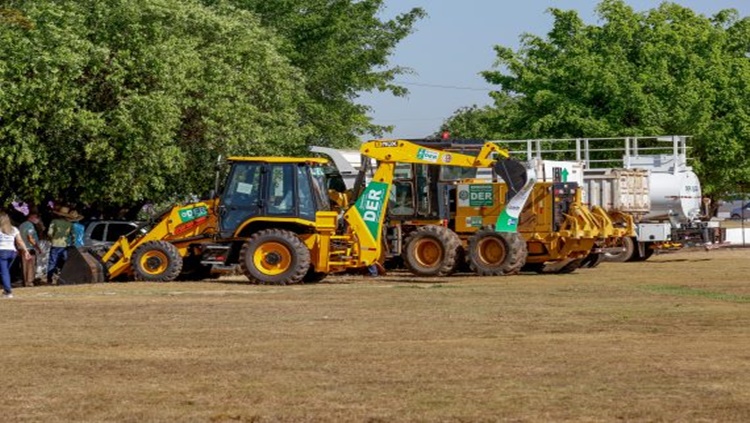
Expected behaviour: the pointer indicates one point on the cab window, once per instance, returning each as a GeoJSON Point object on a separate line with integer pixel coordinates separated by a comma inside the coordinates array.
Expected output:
{"type": "Point", "coordinates": [244, 186]}
{"type": "Point", "coordinates": [306, 194]}
{"type": "Point", "coordinates": [281, 189]}
{"type": "Point", "coordinates": [402, 198]}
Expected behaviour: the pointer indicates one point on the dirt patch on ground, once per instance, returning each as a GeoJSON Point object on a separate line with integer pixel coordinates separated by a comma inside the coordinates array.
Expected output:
{"type": "Point", "coordinates": [664, 340]}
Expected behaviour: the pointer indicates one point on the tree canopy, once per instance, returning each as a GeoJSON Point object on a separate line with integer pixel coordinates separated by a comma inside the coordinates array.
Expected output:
{"type": "Point", "coordinates": [342, 48]}
{"type": "Point", "coordinates": [664, 71]}
{"type": "Point", "coordinates": [128, 100]}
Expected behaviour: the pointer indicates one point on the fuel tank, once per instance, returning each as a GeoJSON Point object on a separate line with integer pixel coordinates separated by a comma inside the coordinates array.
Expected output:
{"type": "Point", "coordinates": [678, 194]}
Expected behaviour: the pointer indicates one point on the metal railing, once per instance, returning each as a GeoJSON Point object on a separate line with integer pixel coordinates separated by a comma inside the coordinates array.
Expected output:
{"type": "Point", "coordinates": [593, 152]}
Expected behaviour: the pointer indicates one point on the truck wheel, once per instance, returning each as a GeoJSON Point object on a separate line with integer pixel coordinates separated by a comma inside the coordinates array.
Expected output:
{"type": "Point", "coordinates": [628, 245]}
{"type": "Point", "coordinates": [431, 251]}
{"type": "Point", "coordinates": [496, 253]}
{"type": "Point", "coordinates": [274, 257]}
{"type": "Point", "coordinates": [647, 253]}
{"type": "Point", "coordinates": [157, 261]}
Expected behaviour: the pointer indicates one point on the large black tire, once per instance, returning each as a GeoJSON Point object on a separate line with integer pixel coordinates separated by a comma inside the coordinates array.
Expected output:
{"type": "Point", "coordinates": [649, 252]}
{"type": "Point", "coordinates": [274, 257]}
{"type": "Point", "coordinates": [157, 261]}
{"type": "Point", "coordinates": [496, 253]}
{"type": "Point", "coordinates": [431, 251]}
{"type": "Point", "coordinates": [629, 252]}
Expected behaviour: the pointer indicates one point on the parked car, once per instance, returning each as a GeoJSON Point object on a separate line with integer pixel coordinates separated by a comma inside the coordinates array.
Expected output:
{"type": "Point", "coordinates": [742, 212]}
{"type": "Point", "coordinates": [103, 233]}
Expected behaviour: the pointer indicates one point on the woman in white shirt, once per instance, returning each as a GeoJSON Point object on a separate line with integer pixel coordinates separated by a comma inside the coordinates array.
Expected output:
{"type": "Point", "coordinates": [9, 239]}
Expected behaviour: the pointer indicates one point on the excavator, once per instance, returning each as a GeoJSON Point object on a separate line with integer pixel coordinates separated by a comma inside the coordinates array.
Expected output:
{"type": "Point", "coordinates": [275, 219]}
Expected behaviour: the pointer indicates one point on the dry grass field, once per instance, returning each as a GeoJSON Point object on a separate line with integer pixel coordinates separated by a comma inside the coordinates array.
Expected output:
{"type": "Point", "coordinates": [665, 340]}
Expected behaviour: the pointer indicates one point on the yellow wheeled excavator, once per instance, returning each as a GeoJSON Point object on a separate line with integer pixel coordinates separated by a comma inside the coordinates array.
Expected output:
{"type": "Point", "coordinates": [273, 217]}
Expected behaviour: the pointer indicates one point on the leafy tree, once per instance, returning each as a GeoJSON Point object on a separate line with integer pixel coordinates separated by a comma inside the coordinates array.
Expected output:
{"type": "Point", "coordinates": [664, 71]}
{"type": "Point", "coordinates": [121, 101]}
{"type": "Point", "coordinates": [342, 48]}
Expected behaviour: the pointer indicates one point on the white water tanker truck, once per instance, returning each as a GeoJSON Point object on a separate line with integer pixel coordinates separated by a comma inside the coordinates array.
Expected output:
{"type": "Point", "coordinates": [647, 178]}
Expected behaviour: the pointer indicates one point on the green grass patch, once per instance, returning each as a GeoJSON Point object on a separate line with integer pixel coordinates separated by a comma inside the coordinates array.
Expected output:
{"type": "Point", "coordinates": [686, 291]}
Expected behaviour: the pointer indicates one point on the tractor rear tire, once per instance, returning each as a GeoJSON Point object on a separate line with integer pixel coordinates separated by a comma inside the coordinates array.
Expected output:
{"type": "Point", "coordinates": [274, 257]}
{"type": "Point", "coordinates": [157, 261]}
{"type": "Point", "coordinates": [627, 255]}
{"type": "Point", "coordinates": [496, 253]}
{"type": "Point", "coordinates": [431, 251]}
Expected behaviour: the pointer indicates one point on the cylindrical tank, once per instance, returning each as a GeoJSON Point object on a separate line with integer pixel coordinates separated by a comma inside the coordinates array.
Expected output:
{"type": "Point", "coordinates": [678, 194]}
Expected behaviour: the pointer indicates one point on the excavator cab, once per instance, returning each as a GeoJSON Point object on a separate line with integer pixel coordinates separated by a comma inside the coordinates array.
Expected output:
{"type": "Point", "coordinates": [266, 188]}
{"type": "Point", "coordinates": [426, 191]}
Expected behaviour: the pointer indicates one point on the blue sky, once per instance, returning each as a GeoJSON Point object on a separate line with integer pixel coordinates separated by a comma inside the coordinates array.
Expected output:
{"type": "Point", "coordinates": [455, 42]}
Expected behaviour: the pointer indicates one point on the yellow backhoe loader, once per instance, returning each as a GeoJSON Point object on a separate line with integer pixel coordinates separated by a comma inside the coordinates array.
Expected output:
{"type": "Point", "coordinates": [273, 218]}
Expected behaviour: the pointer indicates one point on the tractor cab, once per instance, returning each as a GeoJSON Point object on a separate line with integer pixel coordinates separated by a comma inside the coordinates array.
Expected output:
{"type": "Point", "coordinates": [272, 187]}
{"type": "Point", "coordinates": [425, 191]}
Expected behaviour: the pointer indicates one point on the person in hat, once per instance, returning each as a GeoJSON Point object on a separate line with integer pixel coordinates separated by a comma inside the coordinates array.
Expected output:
{"type": "Point", "coordinates": [30, 237]}
{"type": "Point", "coordinates": [59, 232]}
{"type": "Point", "coordinates": [77, 229]}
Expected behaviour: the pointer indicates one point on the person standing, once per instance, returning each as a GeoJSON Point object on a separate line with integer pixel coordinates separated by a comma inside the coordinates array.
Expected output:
{"type": "Point", "coordinates": [60, 231]}
{"type": "Point", "coordinates": [30, 238]}
{"type": "Point", "coordinates": [78, 229]}
{"type": "Point", "coordinates": [10, 239]}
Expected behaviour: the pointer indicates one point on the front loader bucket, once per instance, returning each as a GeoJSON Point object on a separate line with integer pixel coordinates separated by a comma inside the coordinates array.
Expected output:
{"type": "Point", "coordinates": [81, 267]}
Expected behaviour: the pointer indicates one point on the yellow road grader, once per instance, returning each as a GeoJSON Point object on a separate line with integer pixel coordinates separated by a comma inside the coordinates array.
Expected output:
{"type": "Point", "coordinates": [444, 218]}
{"type": "Point", "coordinates": [273, 218]}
